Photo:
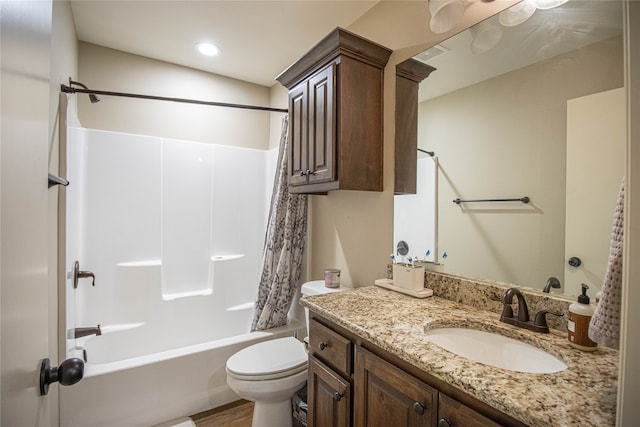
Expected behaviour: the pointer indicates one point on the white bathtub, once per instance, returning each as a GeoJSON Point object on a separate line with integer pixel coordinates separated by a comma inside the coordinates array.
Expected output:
{"type": "Point", "coordinates": [176, 273]}
{"type": "Point", "coordinates": [151, 389]}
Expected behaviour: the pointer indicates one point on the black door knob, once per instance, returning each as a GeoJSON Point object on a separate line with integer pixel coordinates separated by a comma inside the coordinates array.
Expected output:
{"type": "Point", "coordinates": [68, 373]}
{"type": "Point", "coordinates": [444, 423]}
{"type": "Point", "coordinates": [418, 407]}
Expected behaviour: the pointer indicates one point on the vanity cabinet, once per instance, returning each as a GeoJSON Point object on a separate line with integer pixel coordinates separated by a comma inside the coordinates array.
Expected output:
{"type": "Point", "coordinates": [331, 397]}
{"type": "Point", "coordinates": [388, 396]}
{"type": "Point", "coordinates": [409, 74]}
{"type": "Point", "coordinates": [329, 383]}
{"type": "Point", "coordinates": [354, 383]}
{"type": "Point", "coordinates": [335, 115]}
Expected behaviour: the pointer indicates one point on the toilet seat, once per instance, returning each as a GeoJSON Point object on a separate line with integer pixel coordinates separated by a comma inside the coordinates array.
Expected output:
{"type": "Point", "coordinates": [268, 360]}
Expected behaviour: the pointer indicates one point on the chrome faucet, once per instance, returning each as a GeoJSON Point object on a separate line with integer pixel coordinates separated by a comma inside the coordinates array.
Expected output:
{"type": "Point", "coordinates": [552, 282]}
{"type": "Point", "coordinates": [83, 332]}
{"type": "Point", "coordinates": [540, 322]}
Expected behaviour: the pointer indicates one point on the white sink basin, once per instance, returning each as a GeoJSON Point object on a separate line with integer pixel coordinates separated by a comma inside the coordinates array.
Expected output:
{"type": "Point", "coordinates": [495, 350]}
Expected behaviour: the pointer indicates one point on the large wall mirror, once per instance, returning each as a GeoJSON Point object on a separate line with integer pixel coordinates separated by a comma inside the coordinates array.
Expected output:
{"type": "Point", "coordinates": [535, 109]}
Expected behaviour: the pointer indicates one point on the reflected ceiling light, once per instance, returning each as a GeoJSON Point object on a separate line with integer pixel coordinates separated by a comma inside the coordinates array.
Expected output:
{"type": "Point", "coordinates": [445, 14]}
{"type": "Point", "coordinates": [549, 4]}
{"type": "Point", "coordinates": [484, 37]}
{"type": "Point", "coordinates": [207, 49]}
{"type": "Point", "coordinates": [518, 13]}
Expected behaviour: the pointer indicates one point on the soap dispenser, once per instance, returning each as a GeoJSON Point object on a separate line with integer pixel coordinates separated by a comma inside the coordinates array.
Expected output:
{"type": "Point", "coordinates": [578, 324]}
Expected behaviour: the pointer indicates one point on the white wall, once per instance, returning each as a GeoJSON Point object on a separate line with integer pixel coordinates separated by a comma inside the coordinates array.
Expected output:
{"type": "Point", "coordinates": [492, 147]}
{"type": "Point", "coordinates": [353, 230]}
{"type": "Point", "coordinates": [111, 70]}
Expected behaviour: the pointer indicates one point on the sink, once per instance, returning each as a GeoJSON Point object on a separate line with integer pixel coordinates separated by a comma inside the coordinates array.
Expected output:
{"type": "Point", "coordinates": [495, 350]}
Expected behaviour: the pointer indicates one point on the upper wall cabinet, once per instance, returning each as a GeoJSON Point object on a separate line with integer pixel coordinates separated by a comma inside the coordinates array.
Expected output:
{"type": "Point", "coordinates": [409, 74]}
{"type": "Point", "coordinates": [335, 115]}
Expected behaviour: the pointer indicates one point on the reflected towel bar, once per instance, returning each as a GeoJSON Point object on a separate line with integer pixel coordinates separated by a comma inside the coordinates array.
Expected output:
{"type": "Point", "coordinates": [524, 200]}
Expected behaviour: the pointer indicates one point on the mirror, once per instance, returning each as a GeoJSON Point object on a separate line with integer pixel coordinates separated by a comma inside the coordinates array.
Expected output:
{"type": "Point", "coordinates": [536, 110]}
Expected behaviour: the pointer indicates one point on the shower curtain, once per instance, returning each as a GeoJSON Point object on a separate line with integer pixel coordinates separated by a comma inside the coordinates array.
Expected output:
{"type": "Point", "coordinates": [284, 245]}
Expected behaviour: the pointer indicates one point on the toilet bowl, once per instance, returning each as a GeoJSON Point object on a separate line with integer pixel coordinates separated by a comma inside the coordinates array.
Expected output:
{"type": "Point", "coordinates": [270, 372]}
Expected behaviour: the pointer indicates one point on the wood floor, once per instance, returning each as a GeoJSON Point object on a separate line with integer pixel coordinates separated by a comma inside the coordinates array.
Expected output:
{"type": "Point", "coordinates": [234, 414]}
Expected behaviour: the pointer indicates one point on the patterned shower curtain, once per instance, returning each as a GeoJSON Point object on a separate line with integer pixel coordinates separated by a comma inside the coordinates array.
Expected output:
{"type": "Point", "coordinates": [284, 245]}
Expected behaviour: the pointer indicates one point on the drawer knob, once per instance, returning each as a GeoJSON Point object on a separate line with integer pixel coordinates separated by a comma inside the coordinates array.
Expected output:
{"type": "Point", "coordinates": [418, 408]}
{"type": "Point", "coordinates": [323, 346]}
{"type": "Point", "coordinates": [444, 423]}
{"type": "Point", "coordinates": [337, 396]}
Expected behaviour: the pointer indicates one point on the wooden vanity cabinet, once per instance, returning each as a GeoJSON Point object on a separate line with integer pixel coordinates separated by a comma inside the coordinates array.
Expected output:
{"type": "Point", "coordinates": [387, 396]}
{"type": "Point", "coordinates": [335, 115]}
{"type": "Point", "coordinates": [409, 74]}
{"type": "Point", "coordinates": [330, 379]}
{"type": "Point", "coordinates": [331, 397]}
{"type": "Point", "coordinates": [354, 383]}
{"type": "Point", "coordinates": [452, 413]}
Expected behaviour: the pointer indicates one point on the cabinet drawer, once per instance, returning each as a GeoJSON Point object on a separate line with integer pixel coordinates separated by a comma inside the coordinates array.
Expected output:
{"type": "Point", "coordinates": [330, 347]}
{"type": "Point", "coordinates": [452, 413]}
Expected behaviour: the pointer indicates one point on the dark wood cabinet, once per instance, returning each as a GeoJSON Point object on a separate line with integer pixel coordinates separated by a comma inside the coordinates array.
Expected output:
{"type": "Point", "coordinates": [452, 413]}
{"type": "Point", "coordinates": [335, 109]}
{"type": "Point", "coordinates": [387, 396]}
{"type": "Point", "coordinates": [330, 397]}
{"type": "Point", "coordinates": [409, 74]}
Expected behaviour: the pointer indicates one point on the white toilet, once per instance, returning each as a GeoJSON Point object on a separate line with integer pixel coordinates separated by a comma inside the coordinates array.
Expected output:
{"type": "Point", "coordinates": [270, 372]}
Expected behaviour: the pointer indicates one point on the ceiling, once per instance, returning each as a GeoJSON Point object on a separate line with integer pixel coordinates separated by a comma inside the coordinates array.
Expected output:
{"type": "Point", "coordinates": [546, 34]}
{"type": "Point", "coordinates": [258, 39]}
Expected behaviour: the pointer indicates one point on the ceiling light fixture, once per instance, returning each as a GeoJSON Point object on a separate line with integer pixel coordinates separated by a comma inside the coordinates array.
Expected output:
{"type": "Point", "coordinates": [208, 49]}
{"type": "Point", "coordinates": [549, 4]}
{"type": "Point", "coordinates": [517, 14]}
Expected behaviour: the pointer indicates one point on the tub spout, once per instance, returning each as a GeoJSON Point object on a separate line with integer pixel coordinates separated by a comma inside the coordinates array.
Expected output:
{"type": "Point", "coordinates": [83, 332]}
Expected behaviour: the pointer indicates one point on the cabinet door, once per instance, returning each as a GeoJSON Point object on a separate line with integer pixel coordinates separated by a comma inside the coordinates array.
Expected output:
{"type": "Point", "coordinates": [387, 396]}
{"type": "Point", "coordinates": [298, 136]}
{"type": "Point", "coordinates": [322, 116]}
{"type": "Point", "coordinates": [452, 413]}
{"type": "Point", "coordinates": [329, 397]}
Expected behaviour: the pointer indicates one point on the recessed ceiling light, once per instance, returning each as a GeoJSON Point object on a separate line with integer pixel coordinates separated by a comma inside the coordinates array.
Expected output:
{"type": "Point", "coordinates": [208, 49]}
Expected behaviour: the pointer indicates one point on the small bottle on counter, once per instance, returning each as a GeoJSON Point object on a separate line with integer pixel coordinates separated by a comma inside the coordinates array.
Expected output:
{"type": "Point", "coordinates": [578, 324]}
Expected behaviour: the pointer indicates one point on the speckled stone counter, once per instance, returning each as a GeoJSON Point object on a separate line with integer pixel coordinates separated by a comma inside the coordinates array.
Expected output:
{"type": "Point", "coordinates": [582, 395]}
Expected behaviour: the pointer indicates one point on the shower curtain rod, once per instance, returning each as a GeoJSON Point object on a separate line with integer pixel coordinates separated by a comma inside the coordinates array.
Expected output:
{"type": "Point", "coordinates": [69, 89]}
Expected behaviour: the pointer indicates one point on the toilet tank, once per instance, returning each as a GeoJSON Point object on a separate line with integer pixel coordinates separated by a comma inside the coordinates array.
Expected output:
{"type": "Point", "coordinates": [315, 287]}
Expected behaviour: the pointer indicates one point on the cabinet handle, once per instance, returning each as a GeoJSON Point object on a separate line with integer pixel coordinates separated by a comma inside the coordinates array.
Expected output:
{"type": "Point", "coordinates": [302, 173]}
{"type": "Point", "coordinates": [310, 172]}
{"type": "Point", "coordinates": [323, 346]}
{"type": "Point", "coordinates": [418, 408]}
{"type": "Point", "coordinates": [444, 423]}
{"type": "Point", "coordinates": [337, 396]}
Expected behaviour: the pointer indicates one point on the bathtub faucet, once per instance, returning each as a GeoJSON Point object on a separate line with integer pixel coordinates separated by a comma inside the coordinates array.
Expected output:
{"type": "Point", "coordinates": [83, 332]}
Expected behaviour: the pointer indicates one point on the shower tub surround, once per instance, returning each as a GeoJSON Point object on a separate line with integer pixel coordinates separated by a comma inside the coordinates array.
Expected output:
{"type": "Point", "coordinates": [173, 231]}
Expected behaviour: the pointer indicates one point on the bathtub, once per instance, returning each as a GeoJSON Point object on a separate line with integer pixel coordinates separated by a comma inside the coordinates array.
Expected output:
{"type": "Point", "coordinates": [151, 389]}
{"type": "Point", "coordinates": [176, 273]}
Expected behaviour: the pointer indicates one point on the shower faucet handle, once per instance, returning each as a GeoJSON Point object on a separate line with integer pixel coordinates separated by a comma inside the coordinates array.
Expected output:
{"type": "Point", "coordinates": [77, 274]}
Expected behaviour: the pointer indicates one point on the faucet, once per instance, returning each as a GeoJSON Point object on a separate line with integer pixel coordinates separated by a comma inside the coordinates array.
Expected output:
{"type": "Point", "coordinates": [540, 322]}
{"type": "Point", "coordinates": [552, 282]}
{"type": "Point", "coordinates": [83, 332]}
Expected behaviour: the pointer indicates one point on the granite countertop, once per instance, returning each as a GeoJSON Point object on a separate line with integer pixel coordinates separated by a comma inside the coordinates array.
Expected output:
{"type": "Point", "coordinates": [582, 395]}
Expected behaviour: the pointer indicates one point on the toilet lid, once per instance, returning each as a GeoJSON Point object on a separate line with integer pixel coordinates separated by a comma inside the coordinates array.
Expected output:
{"type": "Point", "coordinates": [269, 359]}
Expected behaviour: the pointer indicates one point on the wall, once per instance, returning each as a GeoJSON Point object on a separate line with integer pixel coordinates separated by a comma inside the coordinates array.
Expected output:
{"type": "Point", "coordinates": [629, 388]}
{"type": "Point", "coordinates": [509, 149]}
{"type": "Point", "coordinates": [111, 70]}
{"type": "Point", "coordinates": [64, 63]}
{"type": "Point", "coordinates": [353, 230]}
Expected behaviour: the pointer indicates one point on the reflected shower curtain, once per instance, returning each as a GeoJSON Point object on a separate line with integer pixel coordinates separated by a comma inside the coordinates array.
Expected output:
{"type": "Point", "coordinates": [284, 245]}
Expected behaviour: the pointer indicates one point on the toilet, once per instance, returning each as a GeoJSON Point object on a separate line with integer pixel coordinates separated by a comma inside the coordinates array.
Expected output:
{"type": "Point", "coordinates": [270, 372]}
